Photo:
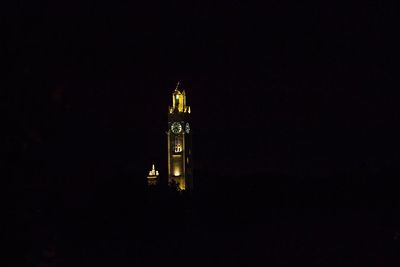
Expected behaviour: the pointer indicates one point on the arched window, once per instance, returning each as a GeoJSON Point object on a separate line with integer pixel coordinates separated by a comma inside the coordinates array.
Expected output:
{"type": "Point", "coordinates": [178, 145]}
{"type": "Point", "coordinates": [178, 148]}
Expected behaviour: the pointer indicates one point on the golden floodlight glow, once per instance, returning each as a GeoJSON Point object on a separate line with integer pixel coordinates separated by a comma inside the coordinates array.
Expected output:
{"type": "Point", "coordinates": [177, 172]}
{"type": "Point", "coordinates": [179, 141]}
{"type": "Point", "coordinates": [182, 186]}
{"type": "Point", "coordinates": [179, 101]}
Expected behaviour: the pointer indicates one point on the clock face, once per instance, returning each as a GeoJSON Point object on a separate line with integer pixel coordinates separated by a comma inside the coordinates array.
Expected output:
{"type": "Point", "coordinates": [187, 128]}
{"type": "Point", "coordinates": [176, 127]}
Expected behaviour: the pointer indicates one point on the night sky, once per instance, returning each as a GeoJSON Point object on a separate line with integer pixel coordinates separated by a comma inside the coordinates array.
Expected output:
{"type": "Point", "coordinates": [294, 122]}
{"type": "Point", "coordinates": [287, 88]}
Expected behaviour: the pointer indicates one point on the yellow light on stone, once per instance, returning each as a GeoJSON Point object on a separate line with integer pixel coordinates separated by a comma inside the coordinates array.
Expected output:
{"type": "Point", "coordinates": [179, 168]}
{"type": "Point", "coordinates": [182, 186]}
{"type": "Point", "coordinates": [177, 172]}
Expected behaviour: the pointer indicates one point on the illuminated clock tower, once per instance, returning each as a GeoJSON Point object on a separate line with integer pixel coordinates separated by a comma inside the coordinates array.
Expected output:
{"type": "Point", "coordinates": [179, 133]}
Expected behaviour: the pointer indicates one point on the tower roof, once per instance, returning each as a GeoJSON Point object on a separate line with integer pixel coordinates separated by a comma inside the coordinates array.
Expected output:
{"type": "Point", "coordinates": [178, 99]}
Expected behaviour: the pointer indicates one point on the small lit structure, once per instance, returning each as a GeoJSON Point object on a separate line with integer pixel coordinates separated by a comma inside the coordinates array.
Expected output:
{"type": "Point", "coordinates": [152, 178]}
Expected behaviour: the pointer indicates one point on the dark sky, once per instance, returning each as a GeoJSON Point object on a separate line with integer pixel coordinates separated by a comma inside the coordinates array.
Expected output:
{"type": "Point", "coordinates": [284, 88]}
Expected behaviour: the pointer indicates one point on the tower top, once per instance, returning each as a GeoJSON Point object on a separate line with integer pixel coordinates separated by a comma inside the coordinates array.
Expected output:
{"type": "Point", "coordinates": [179, 100]}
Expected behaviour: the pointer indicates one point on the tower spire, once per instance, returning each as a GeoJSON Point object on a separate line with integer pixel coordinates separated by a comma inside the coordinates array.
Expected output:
{"type": "Point", "coordinates": [177, 86]}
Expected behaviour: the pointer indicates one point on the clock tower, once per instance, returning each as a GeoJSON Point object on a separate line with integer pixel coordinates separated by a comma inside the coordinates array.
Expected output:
{"type": "Point", "coordinates": [180, 171]}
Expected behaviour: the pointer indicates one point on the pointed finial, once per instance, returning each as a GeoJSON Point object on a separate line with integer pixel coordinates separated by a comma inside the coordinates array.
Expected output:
{"type": "Point", "coordinates": [177, 86]}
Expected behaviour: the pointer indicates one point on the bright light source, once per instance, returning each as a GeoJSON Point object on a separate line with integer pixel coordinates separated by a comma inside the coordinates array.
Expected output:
{"type": "Point", "coordinates": [177, 172]}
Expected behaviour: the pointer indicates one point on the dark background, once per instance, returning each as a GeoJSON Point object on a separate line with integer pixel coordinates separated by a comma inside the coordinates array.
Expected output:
{"type": "Point", "coordinates": [293, 104]}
